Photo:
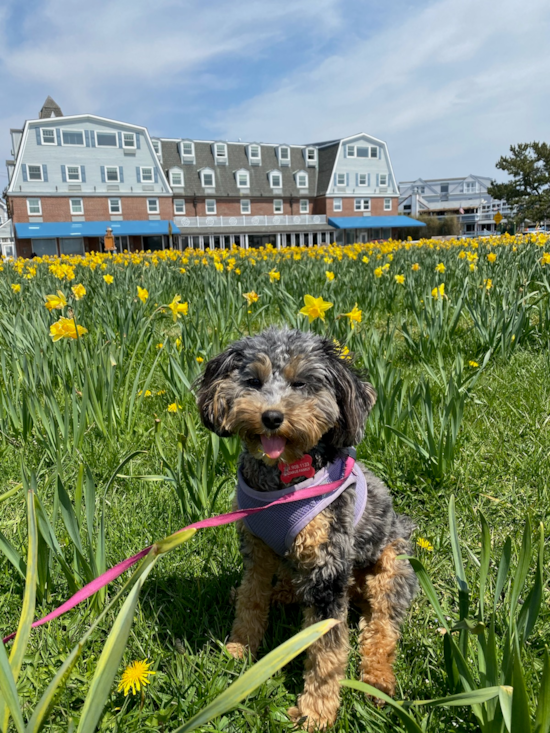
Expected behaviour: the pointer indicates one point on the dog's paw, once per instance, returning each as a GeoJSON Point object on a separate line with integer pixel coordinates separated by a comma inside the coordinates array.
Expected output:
{"type": "Point", "coordinates": [384, 681]}
{"type": "Point", "coordinates": [310, 720]}
{"type": "Point", "coordinates": [236, 649]}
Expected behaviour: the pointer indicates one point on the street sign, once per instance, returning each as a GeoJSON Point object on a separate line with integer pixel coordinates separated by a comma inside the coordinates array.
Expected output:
{"type": "Point", "coordinates": [498, 217]}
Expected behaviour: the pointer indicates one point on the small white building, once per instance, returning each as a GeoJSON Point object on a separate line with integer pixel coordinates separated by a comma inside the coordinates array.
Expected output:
{"type": "Point", "coordinates": [7, 241]}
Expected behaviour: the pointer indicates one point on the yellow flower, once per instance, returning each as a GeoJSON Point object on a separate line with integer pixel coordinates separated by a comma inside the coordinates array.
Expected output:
{"type": "Point", "coordinates": [415, 267]}
{"type": "Point", "coordinates": [108, 279]}
{"type": "Point", "coordinates": [160, 346]}
{"type": "Point", "coordinates": [66, 328]}
{"type": "Point", "coordinates": [440, 267]}
{"type": "Point", "coordinates": [237, 271]}
{"type": "Point", "coordinates": [472, 266]}
{"type": "Point", "coordinates": [365, 259]}
{"type": "Point", "coordinates": [379, 272]}
{"type": "Point", "coordinates": [173, 407]}
{"type": "Point", "coordinates": [135, 676]}
{"type": "Point", "coordinates": [545, 258]}
{"type": "Point", "coordinates": [400, 279]}
{"type": "Point", "coordinates": [354, 316]}
{"type": "Point", "coordinates": [79, 291]}
{"type": "Point", "coordinates": [491, 257]}
{"type": "Point", "coordinates": [142, 293]}
{"type": "Point", "coordinates": [183, 270]}
{"type": "Point", "coordinates": [16, 288]}
{"type": "Point", "coordinates": [178, 343]}
{"type": "Point", "coordinates": [439, 292]}
{"type": "Point", "coordinates": [424, 544]}
{"type": "Point", "coordinates": [251, 297]}
{"type": "Point", "coordinates": [55, 302]}
{"type": "Point", "coordinates": [330, 275]}
{"type": "Point", "coordinates": [488, 283]}
{"type": "Point", "coordinates": [199, 359]}
{"type": "Point", "coordinates": [218, 266]}
{"type": "Point", "coordinates": [274, 275]}
{"type": "Point", "coordinates": [176, 307]}
{"type": "Point", "coordinates": [343, 351]}
{"type": "Point", "coordinates": [473, 364]}
{"type": "Point", "coordinates": [315, 307]}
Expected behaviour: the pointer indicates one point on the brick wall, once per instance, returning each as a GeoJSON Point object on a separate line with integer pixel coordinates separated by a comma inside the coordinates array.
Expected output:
{"type": "Point", "coordinates": [325, 205]}
{"type": "Point", "coordinates": [232, 207]}
{"type": "Point", "coordinates": [96, 208]}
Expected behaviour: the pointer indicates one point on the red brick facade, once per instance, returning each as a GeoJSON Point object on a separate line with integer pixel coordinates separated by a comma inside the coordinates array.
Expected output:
{"type": "Point", "coordinates": [96, 208]}
{"type": "Point", "coordinates": [325, 205]}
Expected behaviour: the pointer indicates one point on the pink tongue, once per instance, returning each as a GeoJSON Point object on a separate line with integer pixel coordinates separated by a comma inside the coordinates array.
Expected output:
{"type": "Point", "coordinates": [273, 445]}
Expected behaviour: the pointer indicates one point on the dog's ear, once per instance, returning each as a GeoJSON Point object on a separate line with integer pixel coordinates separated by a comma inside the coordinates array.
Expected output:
{"type": "Point", "coordinates": [214, 395]}
{"type": "Point", "coordinates": [355, 397]}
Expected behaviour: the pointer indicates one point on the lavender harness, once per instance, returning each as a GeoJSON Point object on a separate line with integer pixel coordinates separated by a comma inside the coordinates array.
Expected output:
{"type": "Point", "coordinates": [278, 526]}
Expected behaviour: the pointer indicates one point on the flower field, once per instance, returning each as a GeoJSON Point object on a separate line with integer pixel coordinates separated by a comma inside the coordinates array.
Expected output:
{"type": "Point", "coordinates": [98, 356]}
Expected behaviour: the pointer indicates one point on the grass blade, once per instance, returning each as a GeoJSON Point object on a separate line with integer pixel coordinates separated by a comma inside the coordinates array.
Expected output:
{"type": "Point", "coordinates": [503, 568]}
{"type": "Point", "coordinates": [542, 717]}
{"type": "Point", "coordinates": [406, 718]}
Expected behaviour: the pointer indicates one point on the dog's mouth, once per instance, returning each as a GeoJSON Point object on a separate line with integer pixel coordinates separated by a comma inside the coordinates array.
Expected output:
{"type": "Point", "coordinates": [273, 445]}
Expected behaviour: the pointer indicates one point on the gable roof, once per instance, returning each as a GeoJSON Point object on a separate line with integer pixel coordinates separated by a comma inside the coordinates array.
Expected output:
{"type": "Point", "coordinates": [50, 109]}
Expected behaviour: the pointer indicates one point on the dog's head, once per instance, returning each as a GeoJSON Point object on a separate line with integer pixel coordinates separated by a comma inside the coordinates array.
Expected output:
{"type": "Point", "coordinates": [283, 391]}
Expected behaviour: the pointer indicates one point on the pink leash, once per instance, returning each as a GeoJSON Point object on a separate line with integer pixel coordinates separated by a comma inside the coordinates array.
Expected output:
{"type": "Point", "coordinates": [107, 577]}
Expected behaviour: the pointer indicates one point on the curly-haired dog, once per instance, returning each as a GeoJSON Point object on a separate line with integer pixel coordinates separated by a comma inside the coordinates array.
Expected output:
{"type": "Point", "coordinates": [290, 395]}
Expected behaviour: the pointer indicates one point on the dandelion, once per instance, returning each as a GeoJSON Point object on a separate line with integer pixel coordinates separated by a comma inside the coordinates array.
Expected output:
{"type": "Point", "coordinates": [108, 279]}
{"type": "Point", "coordinates": [473, 364]}
{"type": "Point", "coordinates": [142, 294]}
{"type": "Point", "coordinates": [55, 302]}
{"type": "Point", "coordinates": [424, 544]}
{"type": "Point", "coordinates": [173, 407]}
{"type": "Point", "coordinates": [274, 275]}
{"type": "Point", "coordinates": [354, 316]}
{"type": "Point", "coordinates": [178, 308]}
{"type": "Point", "coordinates": [135, 676]}
{"type": "Point", "coordinates": [66, 328]}
{"type": "Point", "coordinates": [379, 272]}
{"type": "Point", "coordinates": [400, 279]}
{"type": "Point", "coordinates": [251, 297]}
{"type": "Point", "coordinates": [439, 292]}
{"type": "Point", "coordinates": [16, 288]}
{"type": "Point", "coordinates": [160, 346]}
{"type": "Point", "coordinates": [315, 307]}
{"type": "Point", "coordinates": [415, 267]}
{"type": "Point", "coordinates": [491, 257]}
{"type": "Point", "coordinates": [79, 291]}
{"type": "Point", "coordinates": [440, 268]}
{"type": "Point", "coordinates": [330, 275]}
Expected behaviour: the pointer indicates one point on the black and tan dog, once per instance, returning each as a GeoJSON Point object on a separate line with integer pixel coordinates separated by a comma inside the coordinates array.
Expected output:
{"type": "Point", "coordinates": [290, 394]}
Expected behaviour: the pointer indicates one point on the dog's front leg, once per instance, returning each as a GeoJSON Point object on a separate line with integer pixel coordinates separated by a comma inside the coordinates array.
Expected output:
{"type": "Point", "coordinates": [253, 596]}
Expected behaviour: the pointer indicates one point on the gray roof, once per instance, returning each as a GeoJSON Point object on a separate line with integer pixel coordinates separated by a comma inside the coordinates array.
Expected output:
{"type": "Point", "coordinates": [327, 157]}
{"type": "Point", "coordinates": [50, 109]}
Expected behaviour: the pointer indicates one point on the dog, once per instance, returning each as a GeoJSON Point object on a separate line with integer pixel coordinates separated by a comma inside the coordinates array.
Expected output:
{"type": "Point", "coordinates": [296, 400]}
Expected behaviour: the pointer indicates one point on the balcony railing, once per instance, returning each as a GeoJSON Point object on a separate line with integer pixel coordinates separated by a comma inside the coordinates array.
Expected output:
{"type": "Point", "coordinates": [185, 222]}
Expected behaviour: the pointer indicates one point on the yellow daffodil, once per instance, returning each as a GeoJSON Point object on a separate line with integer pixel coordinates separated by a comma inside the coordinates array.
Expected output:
{"type": "Point", "coordinates": [354, 316]}
{"type": "Point", "coordinates": [79, 291]}
{"type": "Point", "coordinates": [218, 266]}
{"type": "Point", "coordinates": [55, 302]}
{"type": "Point", "coordinates": [251, 297]}
{"type": "Point", "coordinates": [199, 360]}
{"type": "Point", "coordinates": [66, 328]}
{"type": "Point", "coordinates": [491, 257]}
{"type": "Point", "coordinates": [183, 270]}
{"type": "Point", "coordinates": [400, 279]}
{"type": "Point", "coordinates": [365, 260]}
{"type": "Point", "coordinates": [439, 292]}
{"type": "Point", "coordinates": [415, 267]}
{"type": "Point", "coordinates": [440, 268]}
{"type": "Point", "coordinates": [108, 279]}
{"type": "Point", "coordinates": [178, 308]}
{"type": "Point", "coordinates": [379, 272]}
{"type": "Point", "coordinates": [135, 676]}
{"type": "Point", "coordinates": [274, 275]}
{"type": "Point", "coordinates": [315, 307]}
{"type": "Point", "coordinates": [488, 283]}
{"type": "Point", "coordinates": [343, 351]}
{"type": "Point", "coordinates": [142, 294]}
{"type": "Point", "coordinates": [545, 258]}
{"type": "Point", "coordinates": [330, 275]}
{"type": "Point", "coordinates": [16, 288]}
{"type": "Point", "coordinates": [173, 407]}
{"type": "Point", "coordinates": [424, 544]}
{"type": "Point", "coordinates": [473, 364]}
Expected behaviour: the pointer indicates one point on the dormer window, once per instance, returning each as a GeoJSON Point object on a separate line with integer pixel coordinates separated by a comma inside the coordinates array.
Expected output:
{"type": "Point", "coordinates": [207, 178]}
{"type": "Point", "coordinates": [275, 179]}
{"type": "Point", "coordinates": [310, 155]}
{"type": "Point", "coordinates": [157, 148]}
{"type": "Point", "coordinates": [220, 153]}
{"type": "Point", "coordinates": [254, 154]}
{"type": "Point", "coordinates": [284, 155]}
{"type": "Point", "coordinates": [187, 151]}
{"type": "Point", "coordinates": [302, 179]}
{"type": "Point", "coordinates": [243, 179]}
{"type": "Point", "coordinates": [176, 177]}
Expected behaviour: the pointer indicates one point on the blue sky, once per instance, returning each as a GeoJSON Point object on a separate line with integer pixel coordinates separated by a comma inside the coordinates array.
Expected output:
{"type": "Point", "coordinates": [449, 84]}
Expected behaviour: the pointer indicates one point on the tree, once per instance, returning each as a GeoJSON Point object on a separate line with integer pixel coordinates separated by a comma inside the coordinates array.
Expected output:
{"type": "Point", "coordinates": [528, 193]}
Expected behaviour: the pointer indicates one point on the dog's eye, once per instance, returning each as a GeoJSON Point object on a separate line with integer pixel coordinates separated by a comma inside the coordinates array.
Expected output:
{"type": "Point", "coordinates": [298, 385]}
{"type": "Point", "coordinates": [254, 382]}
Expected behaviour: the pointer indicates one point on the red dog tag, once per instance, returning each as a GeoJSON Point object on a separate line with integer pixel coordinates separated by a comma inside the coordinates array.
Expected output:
{"type": "Point", "coordinates": [301, 467]}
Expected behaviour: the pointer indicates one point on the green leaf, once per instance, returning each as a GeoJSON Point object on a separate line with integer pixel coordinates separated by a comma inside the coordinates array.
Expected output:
{"type": "Point", "coordinates": [521, 720]}
{"type": "Point", "coordinates": [505, 699]}
{"type": "Point", "coordinates": [503, 568]}
{"type": "Point", "coordinates": [542, 717]}
{"type": "Point", "coordinates": [463, 590]}
{"type": "Point", "coordinates": [522, 569]}
{"type": "Point", "coordinates": [473, 697]}
{"type": "Point", "coordinates": [8, 690]}
{"type": "Point", "coordinates": [12, 555]}
{"type": "Point", "coordinates": [258, 674]}
{"type": "Point", "coordinates": [484, 563]}
{"type": "Point", "coordinates": [406, 718]}
{"type": "Point", "coordinates": [429, 590]}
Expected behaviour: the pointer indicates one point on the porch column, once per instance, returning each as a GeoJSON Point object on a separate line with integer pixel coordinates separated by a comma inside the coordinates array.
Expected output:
{"type": "Point", "coordinates": [278, 241]}
{"type": "Point", "coordinates": [293, 239]}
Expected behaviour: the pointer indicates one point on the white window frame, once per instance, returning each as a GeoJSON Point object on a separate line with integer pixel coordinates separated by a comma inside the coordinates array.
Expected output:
{"type": "Point", "coordinates": [359, 175]}
{"type": "Point", "coordinates": [304, 206]}
{"type": "Point", "coordinates": [111, 207]}
{"type": "Point", "coordinates": [387, 204]}
{"type": "Point", "coordinates": [34, 213]}
{"type": "Point", "coordinates": [384, 185]}
{"type": "Point", "coordinates": [48, 129]}
{"type": "Point", "coordinates": [35, 180]}
{"type": "Point", "coordinates": [207, 171]}
{"type": "Point", "coordinates": [308, 159]}
{"type": "Point", "coordinates": [212, 204]}
{"type": "Point", "coordinates": [147, 168]}
{"type": "Point", "coordinates": [298, 176]}
{"type": "Point", "coordinates": [240, 173]}
{"type": "Point", "coordinates": [75, 180]}
{"type": "Point", "coordinates": [112, 168]}
{"type": "Point", "coordinates": [362, 205]}
{"type": "Point", "coordinates": [255, 158]}
{"type": "Point", "coordinates": [375, 149]}
{"type": "Point", "coordinates": [73, 145]}
{"type": "Point", "coordinates": [77, 213]}
{"type": "Point", "coordinates": [105, 132]}
{"type": "Point", "coordinates": [246, 204]}
{"type": "Point", "coordinates": [470, 187]}
{"type": "Point", "coordinates": [338, 181]}
{"type": "Point", "coordinates": [182, 202]}
{"type": "Point", "coordinates": [272, 174]}
{"type": "Point", "coordinates": [220, 157]}
{"type": "Point", "coordinates": [278, 206]}
{"type": "Point", "coordinates": [283, 161]}
{"type": "Point", "coordinates": [349, 153]}
{"type": "Point", "coordinates": [187, 156]}
{"type": "Point", "coordinates": [129, 147]}
{"type": "Point", "coordinates": [157, 207]}
{"type": "Point", "coordinates": [180, 172]}
{"type": "Point", "coordinates": [337, 205]}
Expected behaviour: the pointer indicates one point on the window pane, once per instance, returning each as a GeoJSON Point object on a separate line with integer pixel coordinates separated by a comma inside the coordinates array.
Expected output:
{"type": "Point", "coordinates": [177, 178]}
{"type": "Point", "coordinates": [35, 172]}
{"type": "Point", "coordinates": [210, 206]}
{"type": "Point", "coordinates": [72, 137]}
{"type": "Point", "coordinates": [73, 173]}
{"type": "Point", "coordinates": [220, 151]}
{"type": "Point", "coordinates": [112, 174]}
{"type": "Point", "coordinates": [48, 136]}
{"type": "Point", "coordinates": [363, 152]}
{"type": "Point", "coordinates": [130, 140]}
{"type": "Point", "coordinates": [351, 151]}
{"type": "Point", "coordinates": [302, 181]}
{"type": "Point", "coordinates": [383, 179]}
{"type": "Point", "coordinates": [33, 206]}
{"type": "Point", "coordinates": [254, 151]}
{"type": "Point", "coordinates": [208, 179]}
{"type": "Point", "coordinates": [42, 247]}
{"type": "Point", "coordinates": [76, 206]}
{"type": "Point", "coordinates": [337, 204]}
{"type": "Point", "coordinates": [187, 148]}
{"type": "Point", "coordinates": [311, 154]}
{"type": "Point", "coordinates": [276, 181]}
{"type": "Point", "coordinates": [341, 179]}
{"type": "Point", "coordinates": [147, 174]}
{"type": "Point", "coordinates": [106, 139]}
{"type": "Point", "coordinates": [278, 206]}
{"type": "Point", "coordinates": [114, 206]}
{"type": "Point", "coordinates": [71, 245]}
{"type": "Point", "coordinates": [284, 153]}
{"type": "Point", "coordinates": [179, 206]}
{"type": "Point", "coordinates": [153, 206]}
{"type": "Point", "coordinates": [374, 152]}
{"type": "Point", "coordinates": [304, 206]}
{"type": "Point", "coordinates": [362, 179]}
{"type": "Point", "coordinates": [245, 207]}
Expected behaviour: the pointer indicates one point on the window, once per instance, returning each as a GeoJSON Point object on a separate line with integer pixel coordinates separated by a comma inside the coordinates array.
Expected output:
{"type": "Point", "coordinates": [373, 153]}
{"type": "Point", "coordinates": [311, 155]}
{"type": "Point", "coordinates": [302, 180]}
{"type": "Point", "coordinates": [156, 147]}
{"type": "Point", "coordinates": [245, 206]}
{"type": "Point", "coordinates": [220, 152]}
{"type": "Point", "coordinates": [277, 206]}
{"type": "Point", "coordinates": [176, 177]}
{"type": "Point", "coordinates": [304, 206]}
{"type": "Point", "coordinates": [387, 204]}
{"type": "Point", "coordinates": [47, 136]}
{"type": "Point", "coordinates": [284, 155]}
{"type": "Point", "coordinates": [179, 206]}
{"type": "Point", "coordinates": [147, 175]}
{"type": "Point", "coordinates": [111, 174]}
{"type": "Point", "coordinates": [254, 153]}
{"type": "Point", "coordinates": [34, 172]}
{"type": "Point", "coordinates": [152, 206]}
{"type": "Point", "coordinates": [106, 139]}
{"type": "Point", "coordinates": [243, 179]}
{"type": "Point", "coordinates": [73, 173]}
{"type": "Point", "coordinates": [210, 206]}
{"type": "Point", "coordinates": [114, 206]}
{"type": "Point", "coordinates": [362, 204]}
{"type": "Point", "coordinates": [207, 179]}
{"type": "Point", "coordinates": [363, 152]}
{"type": "Point", "coordinates": [383, 179]}
{"type": "Point", "coordinates": [362, 179]}
{"type": "Point", "coordinates": [444, 188]}
{"type": "Point", "coordinates": [469, 186]}
{"type": "Point", "coordinates": [72, 137]}
{"type": "Point", "coordinates": [275, 180]}
{"type": "Point", "coordinates": [129, 140]}
{"type": "Point", "coordinates": [187, 150]}
{"type": "Point", "coordinates": [34, 207]}
{"type": "Point", "coordinates": [351, 151]}
{"type": "Point", "coordinates": [340, 179]}
{"type": "Point", "coordinates": [76, 207]}
{"type": "Point", "coordinates": [337, 204]}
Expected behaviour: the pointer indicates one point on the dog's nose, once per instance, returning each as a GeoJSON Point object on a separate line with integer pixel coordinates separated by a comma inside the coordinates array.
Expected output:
{"type": "Point", "coordinates": [272, 419]}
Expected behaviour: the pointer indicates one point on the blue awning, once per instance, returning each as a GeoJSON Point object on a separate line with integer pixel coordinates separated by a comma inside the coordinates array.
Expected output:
{"type": "Point", "coordinates": [373, 222]}
{"type": "Point", "coordinates": [48, 230]}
